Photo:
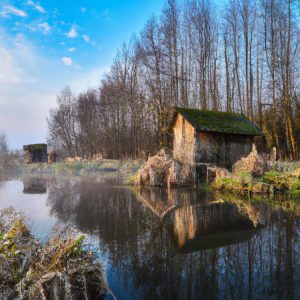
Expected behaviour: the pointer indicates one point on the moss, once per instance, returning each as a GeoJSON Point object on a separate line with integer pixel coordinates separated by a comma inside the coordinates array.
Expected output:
{"type": "Point", "coordinates": [7, 240]}
{"type": "Point", "coordinates": [131, 179]}
{"type": "Point", "coordinates": [273, 182]}
{"type": "Point", "coordinates": [295, 189]}
{"type": "Point", "coordinates": [76, 247]}
{"type": "Point", "coordinates": [228, 184]}
{"type": "Point", "coordinates": [216, 121]}
{"type": "Point", "coordinates": [271, 176]}
{"type": "Point", "coordinates": [259, 187]}
{"type": "Point", "coordinates": [244, 178]}
{"type": "Point", "coordinates": [280, 181]}
{"type": "Point", "coordinates": [205, 187]}
{"type": "Point", "coordinates": [33, 147]}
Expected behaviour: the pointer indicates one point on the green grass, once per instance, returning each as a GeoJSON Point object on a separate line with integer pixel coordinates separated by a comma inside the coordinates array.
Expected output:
{"type": "Point", "coordinates": [125, 169]}
{"type": "Point", "coordinates": [273, 182]}
{"type": "Point", "coordinates": [205, 187]}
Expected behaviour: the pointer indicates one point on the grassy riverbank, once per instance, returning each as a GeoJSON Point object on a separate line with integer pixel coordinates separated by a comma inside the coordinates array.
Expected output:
{"type": "Point", "coordinates": [283, 178]}
{"type": "Point", "coordinates": [119, 168]}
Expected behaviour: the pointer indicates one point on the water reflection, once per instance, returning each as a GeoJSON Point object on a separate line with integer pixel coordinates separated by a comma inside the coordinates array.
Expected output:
{"type": "Point", "coordinates": [34, 185]}
{"type": "Point", "coordinates": [182, 244]}
{"type": "Point", "coordinates": [195, 219]}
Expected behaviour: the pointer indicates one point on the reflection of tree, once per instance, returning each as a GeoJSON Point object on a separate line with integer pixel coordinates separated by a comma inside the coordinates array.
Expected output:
{"type": "Point", "coordinates": [62, 199]}
{"type": "Point", "coordinates": [141, 244]}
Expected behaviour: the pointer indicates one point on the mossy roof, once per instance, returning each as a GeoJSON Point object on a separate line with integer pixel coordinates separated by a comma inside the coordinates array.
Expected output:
{"type": "Point", "coordinates": [217, 121]}
{"type": "Point", "coordinates": [33, 147]}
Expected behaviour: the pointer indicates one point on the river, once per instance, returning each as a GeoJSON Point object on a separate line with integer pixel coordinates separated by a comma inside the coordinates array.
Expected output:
{"type": "Point", "coordinates": [159, 244]}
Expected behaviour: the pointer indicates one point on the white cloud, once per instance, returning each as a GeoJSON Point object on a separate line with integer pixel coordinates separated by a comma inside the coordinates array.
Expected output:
{"type": "Point", "coordinates": [13, 73]}
{"type": "Point", "coordinates": [16, 54]}
{"type": "Point", "coordinates": [72, 33]}
{"type": "Point", "coordinates": [25, 99]}
{"type": "Point", "coordinates": [36, 6]}
{"type": "Point", "coordinates": [26, 53]}
{"type": "Point", "coordinates": [90, 78]}
{"type": "Point", "coordinates": [86, 38]}
{"type": "Point", "coordinates": [83, 9]}
{"type": "Point", "coordinates": [46, 28]}
{"type": "Point", "coordinates": [72, 49]}
{"type": "Point", "coordinates": [67, 61]}
{"type": "Point", "coordinates": [11, 10]}
{"type": "Point", "coordinates": [29, 85]}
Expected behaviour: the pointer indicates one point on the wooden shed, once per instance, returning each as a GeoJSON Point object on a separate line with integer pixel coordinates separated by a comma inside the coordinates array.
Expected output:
{"type": "Point", "coordinates": [35, 153]}
{"type": "Point", "coordinates": [211, 137]}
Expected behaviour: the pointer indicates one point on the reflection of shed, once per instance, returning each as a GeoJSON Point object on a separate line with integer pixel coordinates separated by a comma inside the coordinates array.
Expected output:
{"type": "Point", "coordinates": [35, 153]}
{"type": "Point", "coordinates": [34, 185]}
{"type": "Point", "coordinates": [211, 137]}
{"type": "Point", "coordinates": [214, 225]}
{"type": "Point", "coordinates": [196, 222]}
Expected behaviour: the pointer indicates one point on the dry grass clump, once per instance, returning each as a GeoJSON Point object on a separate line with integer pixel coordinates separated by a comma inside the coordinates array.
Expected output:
{"type": "Point", "coordinates": [18, 249]}
{"type": "Point", "coordinates": [64, 266]}
{"type": "Point", "coordinates": [256, 164]}
{"type": "Point", "coordinates": [155, 171]}
{"type": "Point", "coordinates": [162, 170]}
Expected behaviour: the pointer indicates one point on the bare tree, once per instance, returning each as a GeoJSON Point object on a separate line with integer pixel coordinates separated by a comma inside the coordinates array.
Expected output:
{"type": "Point", "coordinates": [3, 143]}
{"type": "Point", "coordinates": [244, 59]}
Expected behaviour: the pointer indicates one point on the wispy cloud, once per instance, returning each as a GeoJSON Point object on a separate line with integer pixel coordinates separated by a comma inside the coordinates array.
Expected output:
{"type": "Point", "coordinates": [72, 33]}
{"type": "Point", "coordinates": [87, 39]}
{"type": "Point", "coordinates": [12, 10]}
{"type": "Point", "coordinates": [17, 56]}
{"type": "Point", "coordinates": [36, 6]}
{"type": "Point", "coordinates": [90, 78]}
{"type": "Point", "coordinates": [72, 49]}
{"type": "Point", "coordinates": [13, 73]}
{"type": "Point", "coordinates": [67, 61]}
{"type": "Point", "coordinates": [45, 27]}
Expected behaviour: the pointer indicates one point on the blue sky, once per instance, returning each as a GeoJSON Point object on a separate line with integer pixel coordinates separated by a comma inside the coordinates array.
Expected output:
{"type": "Point", "coordinates": [48, 44]}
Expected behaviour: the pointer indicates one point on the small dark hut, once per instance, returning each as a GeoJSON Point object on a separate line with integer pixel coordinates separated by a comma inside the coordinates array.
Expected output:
{"type": "Point", "coordinates": [202, 137]}
{"type": "Point", "coordinates": [35, 153]}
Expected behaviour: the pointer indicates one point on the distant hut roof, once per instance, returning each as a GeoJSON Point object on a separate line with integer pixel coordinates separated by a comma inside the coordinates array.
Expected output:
{"type": "Point", "coordinates": [217, 121]}
{"type": "Point", "coordinates": [33, 147]}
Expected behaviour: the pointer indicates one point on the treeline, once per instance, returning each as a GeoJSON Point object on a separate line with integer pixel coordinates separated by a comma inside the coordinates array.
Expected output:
{"type": "Point", "coordinates": [9, 159]}
{"type": "Point", "coordinates": [241, 57]}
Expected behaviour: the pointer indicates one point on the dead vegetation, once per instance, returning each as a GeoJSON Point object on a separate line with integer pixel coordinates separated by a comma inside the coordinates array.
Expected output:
{"type": "Point", "coordinates": [256, 164]}
{"type": "Point", "coordinates": [163, 170]}
{"type": "Point", "coordinates": [63, 267]}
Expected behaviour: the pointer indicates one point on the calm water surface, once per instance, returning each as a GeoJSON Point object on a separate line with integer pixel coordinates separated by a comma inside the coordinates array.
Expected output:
{"type": "Point", "coordinates": [181, 244]}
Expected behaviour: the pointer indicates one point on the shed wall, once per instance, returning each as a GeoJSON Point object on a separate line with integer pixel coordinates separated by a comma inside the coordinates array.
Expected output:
{"type": "Point", "coordinates": [36, 155]}
{"type": "Point", "coordinates": [223, 149]}
{"type": "Point", "coordinates": [184, 141]}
